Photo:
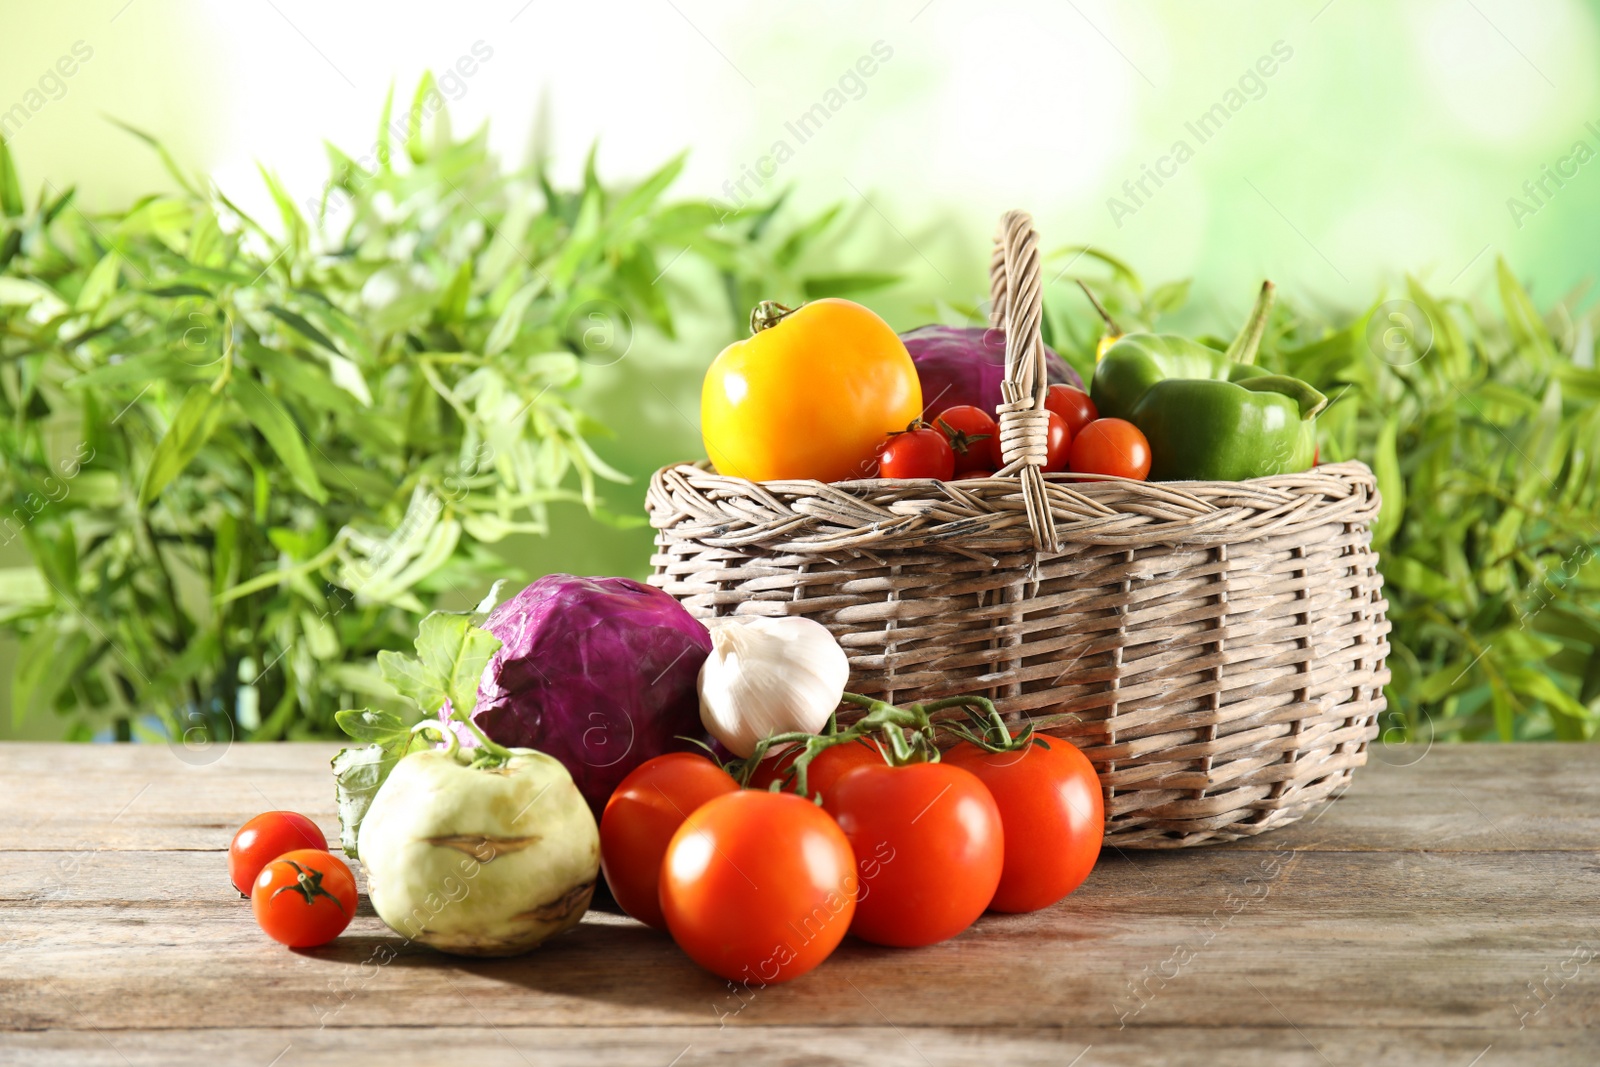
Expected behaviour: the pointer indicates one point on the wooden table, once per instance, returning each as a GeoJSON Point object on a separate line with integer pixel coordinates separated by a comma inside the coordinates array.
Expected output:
{"type": "Point", "coordinates": [1444, 911]}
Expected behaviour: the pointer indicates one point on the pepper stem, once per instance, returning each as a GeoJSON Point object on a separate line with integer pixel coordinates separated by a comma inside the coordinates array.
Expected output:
{"type": "Point", "coordinates": [767, 314]}
{"type": "Point", "coordinates": [1245, 346]}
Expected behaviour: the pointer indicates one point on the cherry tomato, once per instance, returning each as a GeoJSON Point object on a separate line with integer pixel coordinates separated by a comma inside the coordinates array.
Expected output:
{"type": "Point", "coordinates": [917, 452]}
{"type": "Point", "coordinates": [1054, 818]}
{"type": "Point", "coordinates": [969, 429]}
{"type": "Point", "coordinates": [1111, 446]}
{"type": "Point", "coordinates": [822, 773]}
{"type": "Point", "coordinates": [978, 474]}
{"type": "Point", "coordinates": [265, 838]}
{"type": "Point", "coordinates": [1057, 443]}
{"type": "Point", "coordinates": [304, 898]}
{"type": "Point", "coordinates": [1316, 456]}
{"type": "Point", "coordinates": [1073, 405]}
{"type": "Point", "coordinates": [758, 887]}
{"type": "Point", "coordinates": [930, 844]}
{"type": "Point", "coordinates": [810, 396]}
{"type": "Point", "coordinates": [643, 813]}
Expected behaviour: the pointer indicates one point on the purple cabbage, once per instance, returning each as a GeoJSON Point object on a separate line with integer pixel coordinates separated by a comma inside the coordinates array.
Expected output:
{"type": "Point", "coordinates": [965, 365]}
{"type": "Point", "coordinates": [598, 672]}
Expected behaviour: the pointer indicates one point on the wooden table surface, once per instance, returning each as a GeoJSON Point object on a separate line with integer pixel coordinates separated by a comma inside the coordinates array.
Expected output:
{"type": "Point", "coordinates": [1443, 911]}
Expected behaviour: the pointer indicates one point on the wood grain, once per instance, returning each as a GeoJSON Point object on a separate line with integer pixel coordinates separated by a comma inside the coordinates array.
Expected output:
{"type": "Point", "coordinates": [1448, 899]}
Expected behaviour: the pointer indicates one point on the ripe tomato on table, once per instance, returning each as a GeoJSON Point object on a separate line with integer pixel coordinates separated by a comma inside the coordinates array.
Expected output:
{"type": "Point", "coordinates": [919, 451]}
{"type": "Point", "coordinates": [969, 430]}
{"type": "Point", "coordinates": [1053, 813]}
{"type": "Point", "coordinates": [824, 770]}
{"type": "Point", "coordinates": [758, 887]}
{"type": "Point", "coordinates": [930, 840]}
{"type": "Point", "coordinates": [643, 813]}
{"type": "Point", "coordinates": [265, 838]}
{"type": "Point", "coordinates": [304, 898]}
{"type": "Point", "coordinates": [1057, 442]}
{"type": "Point", "coordinates": [1111, 446]}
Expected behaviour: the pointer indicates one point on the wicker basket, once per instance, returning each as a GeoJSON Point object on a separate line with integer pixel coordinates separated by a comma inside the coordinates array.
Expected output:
{"type": "Point", "coordinates": [1217, 649]}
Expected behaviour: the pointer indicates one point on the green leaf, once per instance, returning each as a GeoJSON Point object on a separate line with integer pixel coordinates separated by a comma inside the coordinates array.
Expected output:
{"type": "Point", "coordinates": [382, 727]}
{"type": "Point", "coordinates": [818, 286]}
{"type": "Point", "coordinates": [1168, 298]}
{"type": "Point", "coordinates": [1391, 487]}
{"type": "Point", "coordinates": [358, 773]}
{"type": "Point", "coordinates": [451, 656]}
{"type": "Point", "coordinates": [1522, 318]}
{"type": "Point", "coordinates": [510, 321]}
{"type": "Point", "coordinates": [11, 203]}
{"type": "Point", "coordinates": [299, 324]}
{"type": "Point", "coordinates": [281, 433]}
{"type": "Point", "coordinates": [191, 427]}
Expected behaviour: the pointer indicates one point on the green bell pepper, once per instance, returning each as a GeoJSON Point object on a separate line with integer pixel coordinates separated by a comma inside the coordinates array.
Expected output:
{"type": "Point", "coordinates": [1209, 415]}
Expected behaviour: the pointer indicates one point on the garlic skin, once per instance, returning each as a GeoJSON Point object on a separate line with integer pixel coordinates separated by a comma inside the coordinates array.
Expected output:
{"type": "Point", "coordinates": [769, 676]}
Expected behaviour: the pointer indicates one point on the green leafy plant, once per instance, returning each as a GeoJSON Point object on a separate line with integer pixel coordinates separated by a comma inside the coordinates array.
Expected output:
{"type": "Point", "coordinates": [1483, 430]}
{"type": "Point", "coordinates": [246, 458]}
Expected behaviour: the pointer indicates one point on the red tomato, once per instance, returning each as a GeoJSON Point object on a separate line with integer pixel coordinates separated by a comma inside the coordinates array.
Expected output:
{"type": "Point", "coordinates": [758, 887]}
{"type": "Point", "coordinates": [1073, 405]}
{"type": "Point", "coordinates": [1111, 446]}
{"type": "Point", "coordinates": [1057, 442]}
{"type": "Point", "coordinates": [1054, 818]}
{"type": "Point", "coordinates": [929, 840]}
{"type": "Point", "coordinates": [918, 452]}
{"type": "Point", "coordinates": [970, 429]}
{"type": "Point", "coordinates": [979, 474]}
{"type": "Point", "coordinates": [304, 898]}
{"type": "Point", "coordinates": [827, 768]}
{"type": "Point", "coordinates": [265, 838]}
{"type": "Point", "coordinates": [640, 818]}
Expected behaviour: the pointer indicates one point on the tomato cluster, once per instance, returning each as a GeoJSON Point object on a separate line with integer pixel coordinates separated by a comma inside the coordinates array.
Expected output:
{"type": "Point", "coordinates": [302, 894]}
{"type": "Point", "coordinates": [964, 442]}
{"type": "Point", "coordinates": [859, 832]}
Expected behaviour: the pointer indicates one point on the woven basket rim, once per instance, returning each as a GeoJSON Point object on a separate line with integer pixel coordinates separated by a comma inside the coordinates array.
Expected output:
{"type": "Point", "coordinates": [803, 515]}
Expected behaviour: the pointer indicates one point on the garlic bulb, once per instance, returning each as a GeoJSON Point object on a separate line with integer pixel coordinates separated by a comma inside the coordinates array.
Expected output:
{"type": "Point", "coordinates": [769, 676]}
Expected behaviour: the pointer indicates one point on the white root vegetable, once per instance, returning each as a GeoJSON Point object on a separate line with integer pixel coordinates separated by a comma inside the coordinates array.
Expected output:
{"type": "Point", "coordinates": [484, 860]}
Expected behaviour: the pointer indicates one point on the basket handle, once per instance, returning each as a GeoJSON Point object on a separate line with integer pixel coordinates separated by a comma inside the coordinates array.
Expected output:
{"type": "Point", "coordinates": [1016, 297]}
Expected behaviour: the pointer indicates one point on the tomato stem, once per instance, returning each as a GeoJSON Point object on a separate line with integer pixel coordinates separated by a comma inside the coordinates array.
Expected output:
{"type": "Point", "coordinates": [767, 314]}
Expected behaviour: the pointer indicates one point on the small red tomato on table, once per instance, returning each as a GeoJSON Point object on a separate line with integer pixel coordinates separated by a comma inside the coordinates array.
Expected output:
{"type": "Point", "coordinates": [304, 898]}
{"type": "Point", "coordinates": [640, 818]}
{"type": "Point", "coordinates": [1113, 447]}
{"type": "Point", "coordinates": [824, 770]}
{"type": "Point", "coordinates": [918, 451]}
{"type": "Point", "coordinates": [929, 841]}
{"type": "Point", "coordinates": [1053, 814]}
{"type": "Point", "coordinates": [265, 838]}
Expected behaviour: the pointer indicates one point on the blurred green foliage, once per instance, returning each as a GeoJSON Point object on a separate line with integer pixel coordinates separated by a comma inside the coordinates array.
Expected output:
{"type": "Point", "coordinates": [1483, 428]}
{"type": "Point", "coordinates": [245, 458]}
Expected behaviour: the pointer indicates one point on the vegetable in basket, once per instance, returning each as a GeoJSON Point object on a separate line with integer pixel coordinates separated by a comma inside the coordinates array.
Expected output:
{"type": "Point", "coordinates": [1209, 415]}
{"type": "Point", "coordinates": [809, 394]}
{"type": "Point", "coordinates": [965, 364]}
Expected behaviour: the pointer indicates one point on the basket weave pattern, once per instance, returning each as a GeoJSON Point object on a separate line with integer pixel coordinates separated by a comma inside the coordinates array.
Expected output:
{"type": "Point", "coordinates": [1217, 649]}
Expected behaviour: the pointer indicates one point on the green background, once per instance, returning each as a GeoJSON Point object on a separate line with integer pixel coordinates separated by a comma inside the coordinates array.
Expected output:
{"type": "Point", "coordinates": [1388, 139]}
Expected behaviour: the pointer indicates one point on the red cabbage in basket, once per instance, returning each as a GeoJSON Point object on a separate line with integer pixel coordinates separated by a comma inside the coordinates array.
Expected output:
{"type": "Point", "coordinates": [964, 365]}
{"type": "Point", "coordinates": [598, 672]}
